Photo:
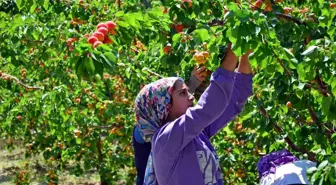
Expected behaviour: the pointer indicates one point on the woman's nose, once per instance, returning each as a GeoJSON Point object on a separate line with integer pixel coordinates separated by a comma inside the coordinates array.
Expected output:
{"type": "Point", "coordinates": [191, 97]}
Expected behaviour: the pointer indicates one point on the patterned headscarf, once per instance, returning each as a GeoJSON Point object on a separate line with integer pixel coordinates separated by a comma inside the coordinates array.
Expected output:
{"type": "Point", "coordinates": [152, 106]}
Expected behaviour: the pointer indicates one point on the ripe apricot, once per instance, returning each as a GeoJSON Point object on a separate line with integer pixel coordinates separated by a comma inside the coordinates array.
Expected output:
{"type": "Point", "coordinates": [258, 4]}
{"type": "Point", "coordinates": [289, 105]}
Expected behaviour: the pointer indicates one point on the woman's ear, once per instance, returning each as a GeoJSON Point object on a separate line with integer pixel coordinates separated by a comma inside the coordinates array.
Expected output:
{"type": "Point", "coordinates": [170, 90]}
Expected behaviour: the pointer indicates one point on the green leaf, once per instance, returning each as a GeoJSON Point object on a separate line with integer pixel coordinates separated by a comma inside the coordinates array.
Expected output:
{"type": "Point", "coordinates": [46, 4]}
{"type": "Point", "coordinates": [311, 170]}
{"type": "Point", "coordinates": [33, 6]}
{"type": "Point", "coordinates": [36, 35]}
{"type": "Point", "coordinates": [20, 4]}
{"type": "Point", "coordinates": [203, 34]}
{"type": "Point", "coordinates": [310, 50]}
{"type": "Point", "coordinates": [229, 15]}
{"type": "Point", "coordinates": [288, 53]}
{"type": "Point", "coordinates": [333, 82]}
{"type": "Point", "coordinates": [131, 20]}
{"type": "Point", "coordinates": [321, 180]}
{"type": "Point", "coordinates": [44, 96]}
{"type": "Point", "coordinates": [332, 174]}
{"type": "Point", "coordinates": [80, 69]}
{"type": "Point", "coordinates": [78, 141]}
{"type": "Point", "coordinates": [120, 14]}
{"type": "Point", "coordinates": [305, 72]}
{"type": "Point", "coordinates": [332, 159]}
{"type": "Point", "coordinates": [110, 56]}
{"type": "Point", "coordinates": [177, 37]}
{"type": "Point", "coordinates": [233, 6]}
{"type": "Point", "coordinates": [301, 86]}
{"type": "Point", "coordinates": [18, 21]}
{"type": "Point", "coordinates": [107, 60]}
{"type": "Point", "coordinates": [155, 12]}
{"type": "Point", "coordinates": [331, 32]}
{"type": "Point", "coordinates": [333, 136]}
{"type": "Point", "coordinates": [89, 66]}
{"type": "Point", "coordinates": [326, 105]}
{"type": "Point", "coordinates": [323, 164]}
{"type": "Point", "coordinates": [122, 24]}
{"type": "Point", "coordinates": [334, 90]}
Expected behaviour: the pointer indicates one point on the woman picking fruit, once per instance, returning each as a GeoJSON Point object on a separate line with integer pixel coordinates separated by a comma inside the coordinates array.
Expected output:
{"type": "Point", "coordinates": [141, 148]}
{"type": "Point", "coordinates": [180, 132]}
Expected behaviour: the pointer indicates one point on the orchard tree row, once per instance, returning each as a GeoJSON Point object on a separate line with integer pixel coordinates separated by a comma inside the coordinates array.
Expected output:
{"type": "Point", "coordinates": [70, 71]}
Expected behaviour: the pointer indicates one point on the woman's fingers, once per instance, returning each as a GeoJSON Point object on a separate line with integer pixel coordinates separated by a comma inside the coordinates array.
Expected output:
{"type": "Point", "coordinates": [194, 71]}
{"type": "Point", "coordinates": [248, 53]}
{"type": "Point", "coordinates": [201, 70]}
{"type": "Point", "coordinates": [200, 73]}
{"type": "Point", "coordinates": [229, 45]}
{"type": "Point", "coordinates": [204, 74]}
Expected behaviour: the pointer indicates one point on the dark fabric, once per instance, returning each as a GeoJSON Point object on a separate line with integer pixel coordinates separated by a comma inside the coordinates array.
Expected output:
{"type": "Point", "coordinates": [141, 154]}
{"type": "Point", "coordinates": [268, 163]}
{"type": "Point", "coordinates": [137, 136]}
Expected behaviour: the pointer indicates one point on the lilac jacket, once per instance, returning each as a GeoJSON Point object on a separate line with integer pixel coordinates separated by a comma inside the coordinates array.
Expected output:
{"type": "Point", "coordinates": [182, 152]}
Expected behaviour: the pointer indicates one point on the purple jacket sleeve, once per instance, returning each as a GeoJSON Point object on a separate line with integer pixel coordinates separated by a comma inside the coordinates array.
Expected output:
{"type": "Point", "coordinates": [175, 135]}
{"type": "Point", "coordinates": [242, 89]}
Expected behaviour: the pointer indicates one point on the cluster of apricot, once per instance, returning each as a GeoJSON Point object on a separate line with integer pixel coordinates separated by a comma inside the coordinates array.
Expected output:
{"type": "Point", "coordinates": [119, 95]}
{"type": "Point", "coordinates": [22, 176]}
{"type": "Point", "coordinates": [259, 3]}
{"type": "Point", "coordinates": [101, 36]}
{"type": "Point", "coordinates": [201, 57]}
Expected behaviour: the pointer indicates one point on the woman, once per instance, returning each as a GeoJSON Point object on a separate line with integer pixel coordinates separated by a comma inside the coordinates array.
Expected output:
{"type": "Point", "coordinates": [180, 132]}
{"type": "Point", "coordinates": [141, 148]}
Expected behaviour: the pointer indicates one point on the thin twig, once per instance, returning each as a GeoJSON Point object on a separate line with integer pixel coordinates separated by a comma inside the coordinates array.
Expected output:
{"type": "Point", "coordinates": [152, 72]}
{"type": "Point", "coordinates": [102, 127]}
{"type": "Point", "coordinates": [216, 23]}
{"type": "Point", "coordinates": [36, 41]}
{"type": "Point", "coordinates": [4, 75]}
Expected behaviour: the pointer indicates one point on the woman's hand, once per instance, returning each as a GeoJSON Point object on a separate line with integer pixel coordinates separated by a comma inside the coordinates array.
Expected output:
{"type": "Point", "coordinates": [244, 64]}
{"type": "Point", "coordinates": [230, 60]}
{"type": "Point", "coordinates": [200, 73]}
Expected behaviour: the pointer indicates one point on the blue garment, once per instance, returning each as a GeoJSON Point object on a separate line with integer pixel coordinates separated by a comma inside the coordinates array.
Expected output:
{"type": "Point", "coordinates": [141, 152]}
{"type": "Point", "coordinates": [137, 136]}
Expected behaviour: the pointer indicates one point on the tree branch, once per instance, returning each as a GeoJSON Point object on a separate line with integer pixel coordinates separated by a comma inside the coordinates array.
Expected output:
{"type": "Point", "coordinates": [4, 75]}
{"type": "Point", "coordinates": [289, 18]}
{"type": "Point", "coordinates": [311, 156]}
{"type": "Point", "coordinates": [318, 123]}
{"type": "Point", "coordinates": [280, 15]}
{"type": "Point", "coordinates": [323, 87]}
{"type": "Point", "coordinates": [319, 89]}
{"type": "Point", "coordinates": [282, 65]}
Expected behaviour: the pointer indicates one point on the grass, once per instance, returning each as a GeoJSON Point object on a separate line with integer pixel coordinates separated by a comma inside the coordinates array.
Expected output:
{"type": "Point", "coordinates": [12, 161]}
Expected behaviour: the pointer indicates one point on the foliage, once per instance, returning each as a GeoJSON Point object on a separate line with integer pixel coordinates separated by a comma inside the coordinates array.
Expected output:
{"type": "Point", "coordinates": [73, 102]}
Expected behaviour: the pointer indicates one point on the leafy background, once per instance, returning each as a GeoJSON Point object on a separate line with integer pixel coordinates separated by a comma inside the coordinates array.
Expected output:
{"type": "Point", "coordinates": [72, 104]}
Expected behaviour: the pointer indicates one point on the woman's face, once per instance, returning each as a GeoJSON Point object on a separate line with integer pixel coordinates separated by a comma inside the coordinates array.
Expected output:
{"type": "Point", "coordinates": [181, 100]}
